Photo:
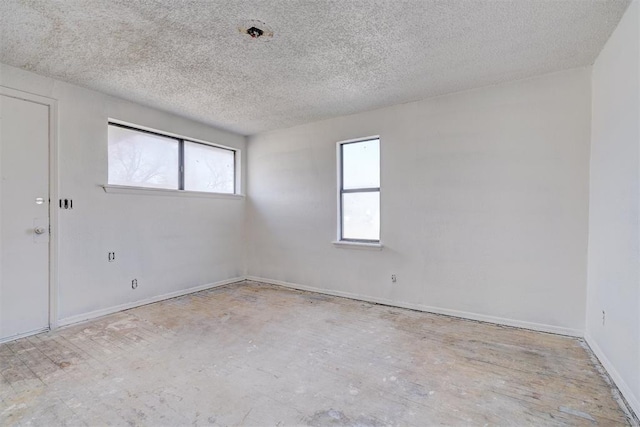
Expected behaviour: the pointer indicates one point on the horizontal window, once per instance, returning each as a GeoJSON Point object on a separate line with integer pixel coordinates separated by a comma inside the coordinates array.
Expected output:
{"type": "Point", "coordinates": [142, 158]}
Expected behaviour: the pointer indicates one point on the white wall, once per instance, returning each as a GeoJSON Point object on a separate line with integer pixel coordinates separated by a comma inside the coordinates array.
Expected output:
{"type": "Point", "coordinates": [614, 232]}
{"type": "Point", "coordinates": [484, 204]}
{"type": "Point", "coordinates": [168, 243]}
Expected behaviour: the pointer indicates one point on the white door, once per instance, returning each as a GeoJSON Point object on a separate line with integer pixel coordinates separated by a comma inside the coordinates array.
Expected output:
{"type": "Point", "coordinates": [24, 217]}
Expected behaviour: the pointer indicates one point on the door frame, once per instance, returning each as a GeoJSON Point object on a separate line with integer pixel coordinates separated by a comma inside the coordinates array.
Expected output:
{"type": "Point", "coordinates": [52, 105]}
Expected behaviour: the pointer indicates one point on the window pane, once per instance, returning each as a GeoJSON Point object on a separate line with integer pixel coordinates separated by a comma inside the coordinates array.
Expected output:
{"type": "Point", "coordinates": [142, 160]}
{"type": "Point", "coordinates": [361, 216]}
{"type": "Point", "coordinates": [208, 168]}
{"type": "Point", "coordinates": [361, 164]}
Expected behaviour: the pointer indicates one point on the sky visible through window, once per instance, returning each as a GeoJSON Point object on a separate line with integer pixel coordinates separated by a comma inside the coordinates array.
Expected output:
{"type": "Point", "coordinates": [361, 164]}
{"type": "Point", "coordinates": [142, 159]}
{"type": "Point", "coordinates": [208, 168]}
{"type": "Point", "coordinates": [360, 209]}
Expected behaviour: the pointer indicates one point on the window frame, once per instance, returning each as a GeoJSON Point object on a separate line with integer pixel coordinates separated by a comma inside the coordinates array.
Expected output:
{"type": "Point", "coordinates": [180, 169]}
{"type": "Point", "coordinates": [341, 191]}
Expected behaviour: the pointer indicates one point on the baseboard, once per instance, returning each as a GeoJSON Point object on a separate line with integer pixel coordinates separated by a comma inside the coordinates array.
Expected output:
{"type": "Point", "coordinates": [26, 334]}
{"type": "Point", "coordinates": [624, 388]}
{"type": "Point", "coordinates": [540, 327]}
{"type": "Point", "coordinates": [110, 310]}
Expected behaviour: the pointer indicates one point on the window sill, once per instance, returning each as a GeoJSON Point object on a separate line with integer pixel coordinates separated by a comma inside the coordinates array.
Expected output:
{"type": "Point", "coordinates": [142, 191]}
{"type": "Point", "coordinates": [358, 245]}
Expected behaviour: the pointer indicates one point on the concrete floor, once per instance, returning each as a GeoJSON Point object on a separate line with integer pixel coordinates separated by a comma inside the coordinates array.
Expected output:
{"type": "Point", "coordinates": [255, 354]}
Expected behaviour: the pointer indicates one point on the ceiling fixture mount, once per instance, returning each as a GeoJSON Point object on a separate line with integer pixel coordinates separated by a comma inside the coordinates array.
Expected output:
{"type": "Point", "coordinates": [255, 32]}
{"type": "Point", "coordinates": [255, 29]}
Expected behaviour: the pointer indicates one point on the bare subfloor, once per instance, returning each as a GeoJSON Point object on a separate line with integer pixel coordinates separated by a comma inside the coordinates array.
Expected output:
{"type": "Point", "coordinates": [255, 354]}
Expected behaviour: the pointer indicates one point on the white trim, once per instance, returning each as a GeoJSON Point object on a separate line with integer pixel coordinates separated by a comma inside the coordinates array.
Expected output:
{"type": "Point", "coordinates": [624, 388]}
{"type": "Point", "coordinates": [238, 171]}
{"type": "Point", "coordinates": [54, 224]}
{"type": "Point", "coordinates": [23, 335]}
{"type": "Point", "coordinates": [338, 195]}
{"type": "Point", "coordinates": [540, 327]}
{"type": "Point", "coordinates": [144, 191]}
{"type": "Point", "coordinates": [339, 167]}
{"type": "Point", "coordinates": [110, 310]}
{"type": "Point", "coordinates": [365, 138]}
{"type": "Point", "coordinates": [26, 96]}
{"type": "Point", "coordinates": [237, 156]}
{"type": "Point", "coordinates": [170, 134]}
{"type": "Point", "coordinates": [358, 245]}
{"type": "Point", "coordinates": [54, 242]}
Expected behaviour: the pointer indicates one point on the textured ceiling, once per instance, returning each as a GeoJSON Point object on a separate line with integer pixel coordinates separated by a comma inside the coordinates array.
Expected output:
{"type": "Point", "coordinates": [326, 58]}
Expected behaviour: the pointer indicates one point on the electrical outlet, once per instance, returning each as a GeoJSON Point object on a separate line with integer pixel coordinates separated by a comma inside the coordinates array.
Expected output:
{"type": "Point", "coordinates": [111, 257]}
{"type": "Point", "coordinates": [134, 283]}
{"type": "Point", "coordinates": [394, 279]}
{"type": "Point", "coordinates": [603, 317]}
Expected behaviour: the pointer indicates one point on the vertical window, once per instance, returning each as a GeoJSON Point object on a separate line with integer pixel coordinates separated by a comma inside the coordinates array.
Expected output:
{"type": "Point", "coordinates": [360, 191]}
{"type": "Point", "coordinates": [142, 158]}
